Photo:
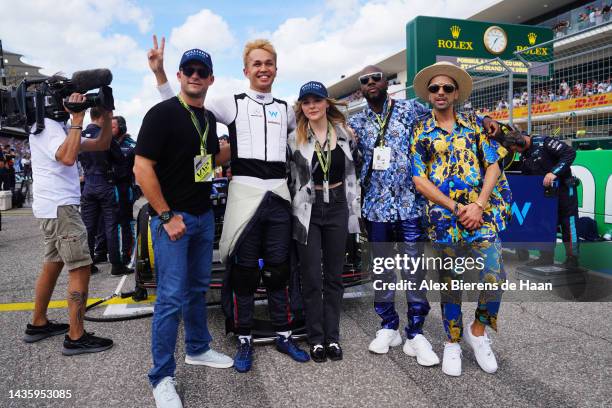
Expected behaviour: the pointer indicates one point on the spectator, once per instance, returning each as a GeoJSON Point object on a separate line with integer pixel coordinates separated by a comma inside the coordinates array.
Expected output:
{"type": "Point", "coordinates": [11, 174]}
{"type": "Point", "coordinates": [538, 97]}
{"type": "Point", "coordinates": [27, 166]}
{"type": "Point", "coordinates": [583, 19]}
{"type": "Point", "coordinates": [588, 88]}
{"type": "Point", "coordinates": [598, 16]}
{"type": "Point", "coordinates": [601, 87]}
{"type": "Point", "coordinates": [564, 89]}
{"type": "Point", "coordinates": [4, 183]}
{"type": "Point", "coordinates": [560, 28]}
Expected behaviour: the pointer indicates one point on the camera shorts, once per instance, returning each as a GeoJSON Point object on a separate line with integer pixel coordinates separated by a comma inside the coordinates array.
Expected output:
{"type": "Point", "coordinates": [65, 238]}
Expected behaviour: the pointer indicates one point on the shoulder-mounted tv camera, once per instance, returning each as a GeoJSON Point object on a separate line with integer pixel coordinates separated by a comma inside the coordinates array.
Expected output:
{"type": "Point", "coordinates": [32, 101]}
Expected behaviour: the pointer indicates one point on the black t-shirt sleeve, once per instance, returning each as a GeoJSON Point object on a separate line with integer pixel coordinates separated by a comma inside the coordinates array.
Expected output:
{"type": "Point", "coordinates": [152, 135]}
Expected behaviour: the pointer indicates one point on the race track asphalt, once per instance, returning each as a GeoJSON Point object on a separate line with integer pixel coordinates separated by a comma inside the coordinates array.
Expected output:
{"type": "Point", "coordinates": [550, 354]}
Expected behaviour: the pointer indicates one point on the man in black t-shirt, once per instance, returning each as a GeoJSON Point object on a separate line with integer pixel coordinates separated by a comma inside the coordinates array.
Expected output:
{"type": "Point", "coordinates": [176, 153]}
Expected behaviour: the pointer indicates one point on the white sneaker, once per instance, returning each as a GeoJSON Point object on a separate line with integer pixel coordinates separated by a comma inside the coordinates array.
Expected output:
{"type": "Point", "coordinates": [482, 350]}
{"type": "Point", "coordinates": [385, 338]}
{"type": "Point", "coordinates": [420, 348]}
{"type": "Point", "coordinates": [210, 358]}
{"type": "Point", "coordinates": [451, 362]}
{"type": "Point", "coordinates": [165, 394]}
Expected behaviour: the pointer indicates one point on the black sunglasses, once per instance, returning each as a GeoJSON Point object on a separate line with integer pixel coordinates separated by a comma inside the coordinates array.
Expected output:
{"type": "Point", "coordinates": [202, 72]}
{"type": "Point", "coordinates": [376, 76]}
{"type": "Point", "coordinates": [448, 88]}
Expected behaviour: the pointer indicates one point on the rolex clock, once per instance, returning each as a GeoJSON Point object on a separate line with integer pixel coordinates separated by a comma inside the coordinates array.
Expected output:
{"type": "Point", "coordinates": [495, 40]}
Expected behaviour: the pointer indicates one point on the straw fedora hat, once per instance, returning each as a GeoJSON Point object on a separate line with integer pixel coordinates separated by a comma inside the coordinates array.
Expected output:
{"type": "Point", "coordinates": [463, 79]}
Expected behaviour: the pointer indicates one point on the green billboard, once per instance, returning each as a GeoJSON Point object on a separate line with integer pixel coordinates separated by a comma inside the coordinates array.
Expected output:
{"type": "Point", "coordinates": [468, 43]}
{"type": "Point", "coordinates": [594, 169]}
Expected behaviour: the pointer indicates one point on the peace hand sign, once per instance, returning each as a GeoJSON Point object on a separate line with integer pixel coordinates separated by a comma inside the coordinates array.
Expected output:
{"type": "Point", "coordinates": [156, 56]}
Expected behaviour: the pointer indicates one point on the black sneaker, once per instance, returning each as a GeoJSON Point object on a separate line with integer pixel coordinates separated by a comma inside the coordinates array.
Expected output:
{"type": "Point", "coordinates": [334, 351]}
{"type": "Point", "coordinates": [317, 353]}
{"type": "Point", "coordinates": [88, 343]}
{"type": "Point", "coordinates": [120, 269]}
{"type": "Point", "coordinates": [94, 269]}
{"type": "Point", "coordinates": [36, 333]}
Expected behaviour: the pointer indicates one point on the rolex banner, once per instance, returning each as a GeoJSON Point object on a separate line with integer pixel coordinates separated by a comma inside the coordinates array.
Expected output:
{"type": "Point", "coordinates": [468, 43]}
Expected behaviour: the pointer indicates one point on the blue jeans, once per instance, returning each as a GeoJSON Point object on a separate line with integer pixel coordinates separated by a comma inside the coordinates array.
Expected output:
{"type": "Point", "coordinates": [183, 270]}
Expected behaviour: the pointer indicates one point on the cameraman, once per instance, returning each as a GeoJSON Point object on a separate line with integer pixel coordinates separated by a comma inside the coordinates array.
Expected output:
{"type": "Point", "coordinates": [549, 157]}
{"type": "Point", "coordinates": [56, 204]}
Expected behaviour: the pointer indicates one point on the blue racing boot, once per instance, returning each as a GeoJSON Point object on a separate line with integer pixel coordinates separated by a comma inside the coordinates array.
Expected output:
{"type": "Point", "coordinates": [287, 346]}
{"type": "Point", "coordinates": [244, 356]}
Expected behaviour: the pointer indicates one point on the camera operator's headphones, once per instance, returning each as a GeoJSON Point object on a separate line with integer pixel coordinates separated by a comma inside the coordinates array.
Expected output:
{"type": "Point", "coordinates": [122, 124]}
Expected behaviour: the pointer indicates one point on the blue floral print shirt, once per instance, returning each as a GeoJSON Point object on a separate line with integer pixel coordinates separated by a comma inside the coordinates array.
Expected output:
{"type": "Point", "coordinates": [456, 163]}
{"type": "Point", "coordinates": [390, 195]}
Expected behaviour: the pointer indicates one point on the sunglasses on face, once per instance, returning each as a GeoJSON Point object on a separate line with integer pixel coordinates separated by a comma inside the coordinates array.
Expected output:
{"type": "Point", "coordinates": [448, 88]}
{"type": "Point", "coordinates": [202, 72]}
{"type": "Point", "coordinates": [376, 76]}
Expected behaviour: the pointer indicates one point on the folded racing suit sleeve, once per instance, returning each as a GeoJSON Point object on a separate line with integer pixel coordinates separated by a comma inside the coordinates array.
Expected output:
{"type": "Point", "coordinates": [243, 200]}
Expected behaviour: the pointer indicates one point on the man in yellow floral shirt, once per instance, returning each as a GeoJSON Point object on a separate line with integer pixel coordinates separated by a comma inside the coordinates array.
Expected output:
{"type": "Point", "coordinates": [456, 168]}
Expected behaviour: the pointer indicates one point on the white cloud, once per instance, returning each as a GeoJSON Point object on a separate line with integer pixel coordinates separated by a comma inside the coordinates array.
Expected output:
{"type": "Point", "coordinates": [342, 8]}
{"type": "Point", "coordinates": [342, 5]}
{"type": "Point", "coordinates": [135, 108]}
{"type": "Point", "coordinates": [204, 30]}
{"type": "Point", "coordinates": [70, 35]}
{"type": "Point", "coordinates": [298, 31]}
{"type": "Point", "coordinates": [131, 14]}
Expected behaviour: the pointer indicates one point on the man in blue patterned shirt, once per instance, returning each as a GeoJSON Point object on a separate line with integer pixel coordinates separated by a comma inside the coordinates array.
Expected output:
{"type": "Point", "coordinates": [391, 206]}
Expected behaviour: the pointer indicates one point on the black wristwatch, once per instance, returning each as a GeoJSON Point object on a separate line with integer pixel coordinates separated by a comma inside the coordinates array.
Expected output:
{"type": "Point", "coordinates": [166, 216]}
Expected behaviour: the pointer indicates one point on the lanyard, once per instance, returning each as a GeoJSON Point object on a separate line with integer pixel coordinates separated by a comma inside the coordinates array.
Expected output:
{"type": "Point", "coordinates": [324, 161]}
{"type": "Point", "coordinates": [196, 124]}
{"type": "Point", "coordinates": [382, 123]}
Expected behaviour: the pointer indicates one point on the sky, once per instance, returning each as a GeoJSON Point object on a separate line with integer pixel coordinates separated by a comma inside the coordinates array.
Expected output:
{"type": "Point", "coordinates": [315, 40]}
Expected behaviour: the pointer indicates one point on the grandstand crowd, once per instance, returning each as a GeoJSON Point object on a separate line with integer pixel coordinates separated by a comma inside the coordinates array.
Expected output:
{"type": "Point", "coordinates": [593, 14]}
{"type": "Point", "coordinates": [550, 94]}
